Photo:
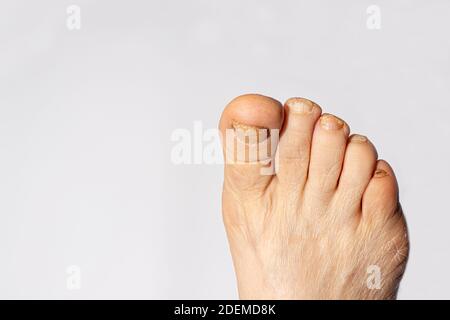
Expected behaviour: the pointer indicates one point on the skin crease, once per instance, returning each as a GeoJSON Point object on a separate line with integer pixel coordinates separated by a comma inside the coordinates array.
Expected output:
{"type": "Point", "coordinates": [325, 222]}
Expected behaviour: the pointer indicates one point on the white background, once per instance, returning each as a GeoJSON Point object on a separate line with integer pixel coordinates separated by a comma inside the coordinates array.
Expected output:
{"type": "Point", "coordinates": [86, 118]}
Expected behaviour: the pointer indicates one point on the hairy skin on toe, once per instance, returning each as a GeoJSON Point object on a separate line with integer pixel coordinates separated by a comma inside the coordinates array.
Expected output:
{"type": "Point", "coordinates": [284, 250]}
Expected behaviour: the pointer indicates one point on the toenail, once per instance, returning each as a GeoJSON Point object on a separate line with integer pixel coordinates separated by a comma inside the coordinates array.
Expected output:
{"type": "Point", "coordinates": [299, 105]}
{"type": "Point", "coordinates": [330, 122]}
{"type": "Point", "coordinates": [252, 133]}
{"type": "Point", "coordinates": [380, 173]}
{"type": "Point", "coordinates": [244, 127]}
{"type": "Point", "coordinates": [358, 138]}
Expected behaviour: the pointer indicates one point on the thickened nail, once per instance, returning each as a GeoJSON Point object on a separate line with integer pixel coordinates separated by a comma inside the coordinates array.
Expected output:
{"type": "Point", "coordinates": [380, 173]}
{"type": "Point", "coordinates": [330, 122]}
{"type": "Point", "coordinates": [358, 138]}
{"type": "Point", "coordinates": [298, 105]}
{"type": "Point", "coordinates": [250, 134]}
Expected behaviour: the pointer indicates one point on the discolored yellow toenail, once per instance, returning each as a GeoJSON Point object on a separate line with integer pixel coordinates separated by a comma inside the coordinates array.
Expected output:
{"type": "Point", "coordinates": [250, 134]}
{"type": "Point", "coordinates": [299, 105]}
{"type": "Point", "coordinates": [379, 173]}
{"type": "Point", "coordinates": [330, 122]}
{"type": "Point", "coordinates": [358, 138]}
{"type": "Point", "coordinates": [246, 128]}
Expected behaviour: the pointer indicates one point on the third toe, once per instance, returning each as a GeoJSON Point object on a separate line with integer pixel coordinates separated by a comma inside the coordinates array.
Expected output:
{"type": "Point", "coordinates": [327, 154]}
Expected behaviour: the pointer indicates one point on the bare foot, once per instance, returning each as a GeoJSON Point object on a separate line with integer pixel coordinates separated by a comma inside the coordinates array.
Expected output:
{"type": "Point", "coordinates": [327, 225]}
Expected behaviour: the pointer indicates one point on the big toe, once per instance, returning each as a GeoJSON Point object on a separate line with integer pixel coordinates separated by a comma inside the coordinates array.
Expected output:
{"type": "Point", "coordinates": [249, 128]}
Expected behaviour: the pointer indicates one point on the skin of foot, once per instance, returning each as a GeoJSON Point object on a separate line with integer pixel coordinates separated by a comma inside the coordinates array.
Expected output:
{"type": "Point", "coordinates": [327, 224]}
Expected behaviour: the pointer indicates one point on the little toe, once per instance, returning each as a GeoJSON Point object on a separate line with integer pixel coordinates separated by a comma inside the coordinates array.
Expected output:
{"type": "Point", "coordinates": [380, 199]}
